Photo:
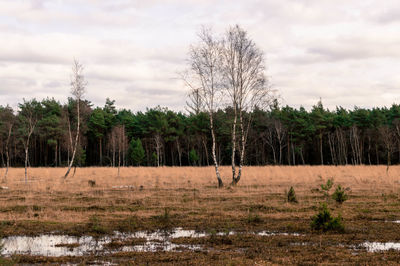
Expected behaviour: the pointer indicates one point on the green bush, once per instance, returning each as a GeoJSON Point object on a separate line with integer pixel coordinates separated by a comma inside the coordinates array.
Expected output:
{"type": "Point", "coordinates": [339, 195]}
{"type": "Point", "coordinates": [324, 221]}
{"type": "Point", "coordinates": [291, 195]}
{"type": "Point", "coordinates": [326, 187]}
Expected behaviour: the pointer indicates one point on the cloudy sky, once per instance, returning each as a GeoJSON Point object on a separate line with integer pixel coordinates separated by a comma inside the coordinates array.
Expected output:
{"type": "Point", "coordinates": [345, 51]}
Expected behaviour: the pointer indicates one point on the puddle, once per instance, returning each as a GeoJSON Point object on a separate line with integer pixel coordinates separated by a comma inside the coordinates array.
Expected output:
{"type": "Point", "coordinates": [393, 221]}
{"type": "Point", "coordinates": [122, 187]}
{"type": "Point", "coordinates": [268, 233]}
{"type": "Point", "coordinates": [64, 245]}
{"type": "Point", "coordinates": [379, 246]}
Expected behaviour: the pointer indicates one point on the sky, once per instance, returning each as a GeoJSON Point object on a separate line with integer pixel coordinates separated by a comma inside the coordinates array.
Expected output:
{"type": "Point", "coordinates": [346, 52]}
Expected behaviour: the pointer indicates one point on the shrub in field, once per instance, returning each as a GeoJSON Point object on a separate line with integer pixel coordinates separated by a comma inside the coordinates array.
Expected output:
{"type": "Point", "coordinates": [324, 221]}
{"type": "Point", "coordinates": [340, 195]}
{"type": "Point", "coordinates": [291, 195]}
{"type": "Point", "coordinates": [326, 187]}
{"type": "Point", "coordinates": [92, 183]}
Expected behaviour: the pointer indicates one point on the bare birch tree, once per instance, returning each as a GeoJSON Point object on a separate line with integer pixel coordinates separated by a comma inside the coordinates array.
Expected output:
{"type": "Point", "coordinates": [6, 124]}
{"type": "Point", "coordinates": [204, 79]}
{"type": "Point", "coordinates": [388, 139]}
{"type": "Point", "coordinates": [246, 85]}
{"type": "Point", "coordinates": [194, 104]}
{"type": "Point", "coordinates": [117, 142]}
{"type": "Point", "coordinates": [78, 85]}
{"type": "Point", "coordinates": [28, 118]}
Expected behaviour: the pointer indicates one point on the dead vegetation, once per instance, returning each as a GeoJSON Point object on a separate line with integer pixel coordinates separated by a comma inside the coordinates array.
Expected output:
{"type": "Point", "coordinates": [188, 197]}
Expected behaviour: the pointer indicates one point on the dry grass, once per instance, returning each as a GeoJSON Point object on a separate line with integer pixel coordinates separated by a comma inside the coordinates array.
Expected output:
{"type": "Point", "coordinates": [360, 178]}
{"type": "Point", "coordinates": [47, 189]}
{"type": "Point", "coordinates": [141, 197]}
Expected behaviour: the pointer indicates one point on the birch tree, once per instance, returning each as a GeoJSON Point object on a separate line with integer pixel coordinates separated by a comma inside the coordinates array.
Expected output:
{"type": "Point", "coordinates": [6, 126]}
{"type": "Point", "coordinates": [388, 139]}
{"type": "Point", "coordinates": [246, 85]}
{"type": "Point", "coordinates": [194, 104]}
{"type": "Point", "coordinates": [28, 117]}
{"type": "Point", "coordinates": [118, 140]}
{"type": "Point", "coordinates": [78, 85]}
{"type": "Point", "coordinates": [204, 80]}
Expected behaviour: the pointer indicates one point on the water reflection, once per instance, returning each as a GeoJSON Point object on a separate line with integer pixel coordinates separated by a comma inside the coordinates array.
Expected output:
{"type": "Point", "coordinates": [64, 245]}
{"type": "Point", "coordinates": [380, 246]}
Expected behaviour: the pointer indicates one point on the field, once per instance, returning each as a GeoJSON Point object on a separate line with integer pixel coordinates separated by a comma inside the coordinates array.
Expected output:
{"type": "Point", "coordinates": [250, 224]}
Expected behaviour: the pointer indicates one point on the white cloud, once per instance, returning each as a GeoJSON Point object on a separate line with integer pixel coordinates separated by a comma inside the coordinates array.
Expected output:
{"type": "Point", "coordinates": [345, 51]}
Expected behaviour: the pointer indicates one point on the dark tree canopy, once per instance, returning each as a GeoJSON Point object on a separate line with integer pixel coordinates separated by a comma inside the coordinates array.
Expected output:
{"type": "Point", "coordinates": [279, 135]}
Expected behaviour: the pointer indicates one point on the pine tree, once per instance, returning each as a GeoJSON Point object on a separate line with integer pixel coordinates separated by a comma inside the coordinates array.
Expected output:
{"type": "Point", "coordinates": [136, 152]}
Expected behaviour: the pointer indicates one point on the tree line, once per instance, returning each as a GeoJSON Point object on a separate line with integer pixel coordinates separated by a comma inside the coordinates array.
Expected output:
{"type": "Point", "coordinates": [162, 137]}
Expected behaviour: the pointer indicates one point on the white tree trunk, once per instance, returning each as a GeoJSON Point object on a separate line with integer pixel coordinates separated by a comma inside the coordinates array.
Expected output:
{"type": "Point", "coordinates": [220, 183]}
{"type": "Point", "coordinates": [76, 144]}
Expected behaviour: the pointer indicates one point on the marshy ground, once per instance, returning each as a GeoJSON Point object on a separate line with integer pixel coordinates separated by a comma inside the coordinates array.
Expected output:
{"type": "Point", "coordinates": [139, 217]}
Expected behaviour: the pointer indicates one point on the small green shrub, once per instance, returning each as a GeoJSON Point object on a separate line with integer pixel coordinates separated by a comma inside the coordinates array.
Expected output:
{"type": "Point", "coordinates": [339, 195]}
{"type": "Point", "coordinates": [326, 187]}
{"type": "Point", "coordinates": [324, 221]}
{"type": "Point", "coordinates": [291, 196]}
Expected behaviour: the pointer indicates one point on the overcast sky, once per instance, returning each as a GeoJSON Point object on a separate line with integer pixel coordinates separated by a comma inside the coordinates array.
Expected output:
{"type": "Point", "coordinates": [345, 51]}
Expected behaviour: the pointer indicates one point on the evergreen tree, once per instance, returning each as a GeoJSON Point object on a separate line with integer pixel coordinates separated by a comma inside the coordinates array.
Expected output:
{"type": "Point", "coordinates": [194, 158]}
{"type": "Point", "coordinates": [97, 126]}
{"type": "Point", "coordinates": [136, 152]}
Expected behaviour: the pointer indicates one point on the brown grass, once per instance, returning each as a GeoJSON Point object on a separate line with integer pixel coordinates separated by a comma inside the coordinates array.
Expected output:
{"type": "Point", "coordinates": [360, 178]}
{"type": "Point", "coordinates": [141, 197]}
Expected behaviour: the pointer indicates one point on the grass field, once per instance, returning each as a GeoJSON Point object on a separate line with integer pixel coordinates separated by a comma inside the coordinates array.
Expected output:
{"type": "Point", "coordinates": [164, 198]}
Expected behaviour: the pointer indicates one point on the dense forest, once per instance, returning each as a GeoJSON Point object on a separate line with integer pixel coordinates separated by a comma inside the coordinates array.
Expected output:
{"type": "Point", "coordinates": [158, 136]}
